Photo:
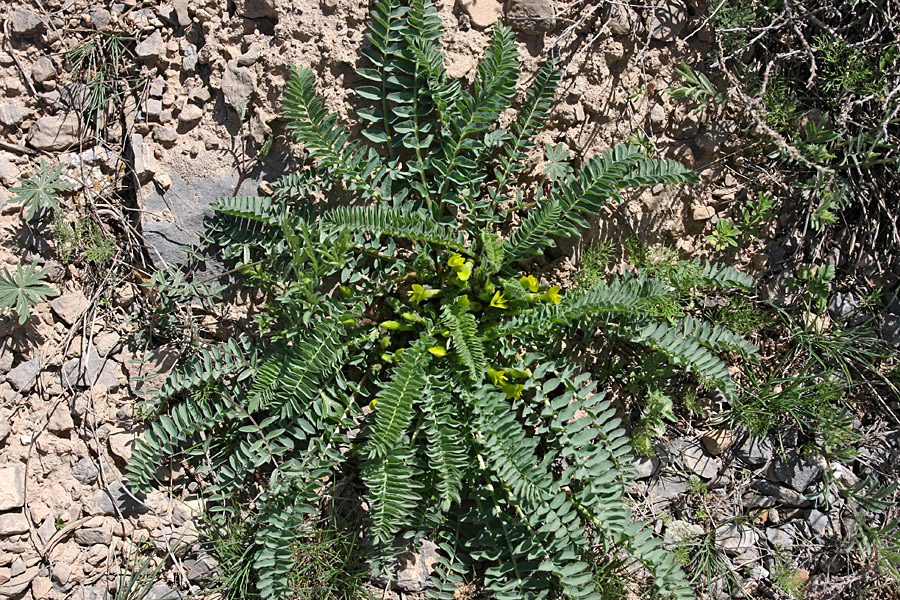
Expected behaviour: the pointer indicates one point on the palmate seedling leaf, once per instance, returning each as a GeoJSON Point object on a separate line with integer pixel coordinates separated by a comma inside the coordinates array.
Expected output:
{"type": "Point", "coordinates": [557, 166]}
{"type": "Point", "coordinates": [22, 290]}
{"type": "Point", "coordinates": [39, 191]}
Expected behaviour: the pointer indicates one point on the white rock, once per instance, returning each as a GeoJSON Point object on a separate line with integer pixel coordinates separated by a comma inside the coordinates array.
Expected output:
{"type": "Point", "coordinates": [53, 133]}
{"type": "Point", "coordinates": [484, 13]}
{"type": "Point", "coordinates": [152, 48]}
{"type": "Point", "coordinates": [12, 487]}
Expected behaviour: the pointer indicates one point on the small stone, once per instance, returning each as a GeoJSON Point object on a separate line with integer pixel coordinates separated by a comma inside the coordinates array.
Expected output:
{"type": "Point", "coordinates": [13, 114]}
{"type": "Point", "coordinates": [677, 532]}
{"type": "Point", "coordinates": [701, 212]}
{"type": "Point", "coordinates": [621, 19]}
{"type": "Point", "coordinates": [24, 376]}
{"type": "Point", "coordinates": [164, 135]}
{"type": "Point", "coordinates": [43, 70]}
{"type": "Point", "coordinates": [201, 570]}
{"type": "Point", "coordinates": [238, 85]}
{"type": "Point", "coordinates": [780, 537]}
{"type": "Point", "coordinates": [785, 495]}
{"type": "Point", "coordinates": [819, 523]}
{"type": "Point", "coordinates": [163, 592]}
{"type": "Point", "coordinates": [18, 567]}
{"type": "Point", "coordinates": [794, 471]}
{"type": "Point", "coordinates": [735, 539]}
{"type": "Point", "coordinates": [645, 466]}
{"type": "Point", "coordinates": [94, 535]}
{"type": "Point", "coordinates": [47, 529]}
{"type": "Point", "coordinates": [717, 441]}
{"type": "Point", "coordinates": [164, 181]}
{"type": "Point", "coordinates": [667, 21]}
{"type": "Point", "coordinates": [121, 444]}
{"type": "Point", "coordinates": [189, 58]}
{"type": "Point", "coordinates": [61, 419]}
{"type": "Point", "coordinates": [257, 9]}
{"type": "Point", "coordinates": [190, 114]}
{"type": "Point", "coordinates": [151, 48]}
{"type": "Point", "coordinates": [754, 450]}
{"type": "Point", "coordinates": [12, 487]}
{"type": "Point", "coordinates": [533, 17]}
{"type": "Point", "coordinates": [249, 57]}
{"type": "Point", "coordinates": [23, 21]}
{"type": "Point", "coordinates": [13, 524]}
{"type": "Point", "coordinates": [144, 162]}
{"type": "Point", "coordinates": [54, 133]}
{"type": "Point", "coordinates": [69, 307]}
{"type": "Point", "coordinates": [691, 455]}
{"type": "Point", "coordinates": [482, 13]}
{"type": "Point", "coordinates": [100, 17]}
{"type": "Point", "coordinates": [40, 587]}
{"type": "Point", "coordinates": [85, 471]}
{"type": "Point", "coordinates": [666, 489]}
{"type": "Point", "coordinates": [61, 573]}
{"type": "Point", "coordinates": [106, 502]}
{"type": "Point", "coordinates": [182, 15]}
{"type": "Point", "coordinates": [658, 118]}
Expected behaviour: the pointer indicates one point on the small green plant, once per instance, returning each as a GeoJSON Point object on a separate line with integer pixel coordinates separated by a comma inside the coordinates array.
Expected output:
{"type": "Point", "coordinates": [171, 299]}
{"type": "Point", "coordinates": [40, 192]}
{"type": "Point", "coordinates": [846, 69]}
{"type": "Point", "coordinates": [786, 579]}
{"type": "Point", "coordinates": [755, 213]}
{"type": "Point", "coordinates": [726, 234]}
{"type": "Point", "coordinates": [594, 263]}
{"type": "Point", "coordinates": [23, 290]}
{"type": "Point", "coordinates": [780, 103]}
{"type": "Point", "coordinates": [741, 315]}
{"type": "Point", "coordinates": [84, 238]}
{"type": "Point", "coordinates": [410, 347]}
{"type": "Point", "coordinates": [816, 282]}
{"type": "Point", "coordinates": [698, 89]}
{"type": "Point", "coordinates": [138, 577]}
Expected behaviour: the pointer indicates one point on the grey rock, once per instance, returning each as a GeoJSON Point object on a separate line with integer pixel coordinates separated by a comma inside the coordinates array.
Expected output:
{"type": "Point", "coordinates": [783, 494]}
{"type": "Point", "coordinates": [414, 569]}
{"type": "Point", "coordinates": [93, 535]}
{"type": "Point", "coordinates": [23, 21]}
{"type": "Point", "coordinates": [842, 305]}
{"type": "Point", "coordinates": [19, 582]}
{"type": "Point", "coordinates": [890, 328]}
{"type": "Point", "coordinates": [13, 524]}
{"type": "Point", "coordinates": [238, 85]}
{"type": "Point", "coordinates": [819, 523]}
{"type": "Point", "coordinates": [678, 531]}
{"type": "Point", "coordinates": [666, 489]}
{"type": "Point", "coordinates": [532, 17]}
{"type": "Point", "coordinates": [24, 376]}
{"type": "Point", "coordinates": [249, 57]}
{"type": "Point", "coordinates": [257, 9]}
{"type": "Point", "coordinates": [85, 471]}
{"type": "Point", "coordinates": [43, 70]}
{"type": "Point", "coordinates": [117, 496]}
{"type": "Point", "coordinates": [735, 539]}
{"type": "Point", "coordinates": [758, 573]}
{"type": "Point", "coordinates": [164, 135]}
{"type": "Point", "coordinates": [47, 529]}
{"type": "Point", "coordinates": [163, 592]}
{"type": "Point", "coordinates": [69, 307]}
{"type": "Point", "coordinates": [12, 487]}
{"type": "Point", "coordinates": [201, 570]}
{"type": "Point", "coordinates": [691, 455]}
{"type": "Point", "coordinates": [182, 14]}
{"type": "Point", "coordinates": [190, 114]}
{"type": "Point", "coordinates": [144, 162]}
{"type": "Point", "coordinates": [152, 48]}
{"type": "Point", "coordinates": [754, 450]}
{"type": "Point", "coordinates": [189, 58]}
{"type": "Point", "coordinates": [645, 466]}
{"type": "Point", "coordinates": [621, 19]}
{"type": "Point", "coordinates": [54, 133]}
{"type": "Point", "coordinates": [90, 370]}
{"type": "Point", "coordinates": [18, 567]}
{"type": "Point", "coordinates": [658, 118]}
{"type": "Point", "coordinates": [780, 537]}
{"type": "Point", "coordinates": [794, 471]}
{"type": "Point", "coordinates": [100, 17]}
{"type": "Point", "coordinates": [667, 21]}
{"type": "Point", "coordinates": [13, 114]}
{"type": "Point", "coordinates": [60, 421]}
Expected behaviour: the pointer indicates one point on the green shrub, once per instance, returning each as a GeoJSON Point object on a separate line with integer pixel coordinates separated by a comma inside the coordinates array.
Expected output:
{"type": "Point", "coordinates": [408, 344]}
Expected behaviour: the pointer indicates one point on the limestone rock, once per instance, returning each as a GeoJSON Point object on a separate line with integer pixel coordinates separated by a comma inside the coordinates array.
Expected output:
{"type": "Point", "coordinates": [182, 15]}
{"type": "Point", "coordinates": [24, 376]}
{"type": "Point", "coordinates": [23, 21]}
{"type": "Point", "coordinates": [164, 135]}
{"type": "Point", "coordinates": [13, 524]}
{"type": "Point", "coordinates": [85, 471]}
{"type": "Point", "coordinates": [717, 441]}
{"type": "Point", "coordinates": [12, 487]}
{"type": "Point", "coordinates": [621, 19]}
{"type": "Point", "coordinates": [483, 13]}
{"type": "Point", "coordinates": [144, 161]}
{"type": "Point", "coordinates": [89, 370]}
{"type": "Point", "coordinates": [54, 133]}
{"type": "Point", "coordinates": [19, 583]}
{"type": "Point", "coordinates": [69, 307]}
{"type": "Point", "coordinates": [121, 444]}
{"type": "Point", "coordinates": [735, 539]}
{"type": "Point", "coordinates": [257, 9]}
{"type": "Point", "coordinates": [13, 114]}
{"type": "Point", "coordinates": [754, 450]}
{"type": "Point", "coordinates": [100, 17]}
{"type": "Point", "coordinates": [152, 48]}
{"type": "Point", "coordinates": [61, 419]}
{"type": "Point", "coordinates": [43, 70]}
{"type": "Point", "coordinates": [238, 85]}
{"type": "Point", "coordinates": [415, 568]}
{"type": "Point", "coordinates": [667, 21]}
{"type": "Point", "coordinates": [106, 501]}
{"type": "Point", "coordinates": [689, 453]}
{"type": "Point", "coordinates": [794, 471]}
{"type": "Point", "coordinates": [534, 17]}
{"type": "Point", "coordinates": [701, 212]}
{"type": "Point", "coordinates": [190, 114]}
{"type": "Point", "coordinates": [94, 535]}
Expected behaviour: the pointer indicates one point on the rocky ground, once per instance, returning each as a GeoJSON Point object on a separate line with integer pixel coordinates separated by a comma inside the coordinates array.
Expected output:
{"type": "Point", "coordinates": [201, 87]}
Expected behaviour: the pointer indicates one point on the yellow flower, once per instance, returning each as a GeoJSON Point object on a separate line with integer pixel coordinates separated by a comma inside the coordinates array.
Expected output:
{"type": "Point", "coordinates": [529, 282]}
{"type": "Point", "coordinates": [464, 272]}
{"type": "Point", "coordinates": [418, 293]}
{"type": "Point", "coordinates": [456, 260]}
{"type": "Point", "coordinates": [498, 300]}
{"type": "Point", "coordinates": [512, 391]}
{"type": "Point", "coordinates": [373, 403]}
{"type": "Point", "coordinates": [438, 351]}
{"type": "Point", "coordinates": [497, 376]}
{"type": "Point", "coordinates": [552, 295]}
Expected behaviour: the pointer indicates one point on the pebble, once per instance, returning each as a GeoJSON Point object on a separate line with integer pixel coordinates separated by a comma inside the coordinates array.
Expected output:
{"type": "Point", "coordinates": [794, 471]}
{"type": "Point", "coordinates": [780, 537]}
{"type": "Point", "coordinates": [152, 48]}
{"type": "Point", "coordinates": [735, 539]}
{"type": "Point", "coordinates": [22, 377]}
{"type": "Point", "coordinates": [69, 307]}
{"type": "Point", "coordinates": [667, 21]}
{"type": "Point", "coordinates": [717, 441]}
{"type": "Point", "coordinates": [482, 13]}
{"type": "Point", "coordinates": [23, 21]}
{"type": "Point", "coordinates": [43, 70]}
{"type": "Point", "coordinates": [13, 524]}
{"type": "Point", "coordinates": [12, 487]}
{"type": "Point", "coordinates": [54, 133]}
{"type": "Point", "coordinates": [754, 450]}
{"type": "Point", "coordinates": [190, 114]}
{"type": "Point", "coordinates": [532, 17]}
{"type": "Point", "coordinates": [85, 471]}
